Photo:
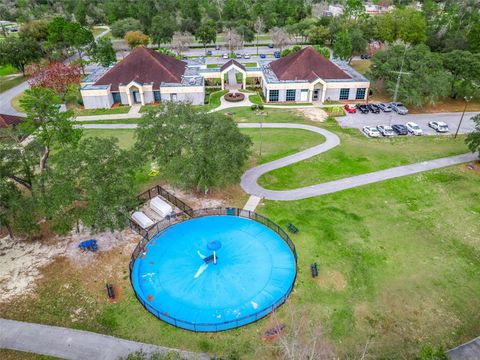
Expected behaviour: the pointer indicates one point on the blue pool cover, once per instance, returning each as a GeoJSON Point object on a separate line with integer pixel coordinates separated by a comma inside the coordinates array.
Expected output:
{"type": "Point", "coordinates": [177, 279]}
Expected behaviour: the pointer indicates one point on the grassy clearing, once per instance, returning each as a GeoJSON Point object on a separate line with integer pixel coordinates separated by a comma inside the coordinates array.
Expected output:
{"type": "Point", "coordinates": [359, 155]}
{"type": "Point", "coordinates": [276, 143]}
{"type": "Point", "coordinates": [125, 137]}
{"type": "Point", "coordinates": [97, 30]}
{"type": "Point", "coordinates": [255, 99]}
{"type": "Point", "coordinates": [245, 114]}
{"type": "Point", "coordinates": [334, 110]}
{"type": "Point", "coordinates": [213, 66]}
{"type": "Point", "coordinates": [213, 100]}
{"type": "Point", "coordinates": [388, 270]}
{"type": "Point", "coordinates": [111, 111]}
{"type": "Point", "coordinates": [7, 84]}
{"type": "Point", "coordinates": [16, 102]}
{"type": "Point", "coordinates": [362, 66]}
{"type": "Point", "coordinates": [7, 70]}
{"type": "Point", "coordinates": [398, 262]}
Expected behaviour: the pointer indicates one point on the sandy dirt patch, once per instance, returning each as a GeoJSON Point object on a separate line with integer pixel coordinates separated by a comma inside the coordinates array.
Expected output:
{"type": "Point", "coordinates": [313, 114]}
{"type": "Point", "coordinates": [331, 279]}
{"type": "Point", "coordinates": [473, 166]}
{"type": "Point", "coordinates": [199, 201]}
{"type": "Point", "coordinates": [20, 264]}
{"type": "Point", "coordinates": [21, 261]}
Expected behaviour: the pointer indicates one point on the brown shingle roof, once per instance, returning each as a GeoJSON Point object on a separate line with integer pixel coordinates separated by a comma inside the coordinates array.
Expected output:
{"type": "Point", "coordinates": [144, 66]}
{"type": "Point", "coordinates": [9, 120]}
{"type": "Point", "coordinates": [306, 64]}
{"type": "Point", "coordinates": [232, 62]}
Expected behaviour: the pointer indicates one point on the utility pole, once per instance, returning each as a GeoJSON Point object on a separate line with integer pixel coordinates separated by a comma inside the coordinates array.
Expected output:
{"type": "Point", "coordinates": [397, 85]}
{"type": "Point", "coordinates": [467, 100]}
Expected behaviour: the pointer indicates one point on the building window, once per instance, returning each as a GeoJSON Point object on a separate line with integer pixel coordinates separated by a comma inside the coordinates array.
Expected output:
{"type": "Point", "coordinates": [344, 94]}
{"type": "Point", "coordinates": [273, 95]}
{"type": "Point", "coordinates": [116, 98]}
{"type": "Point", "coordinates": [156, 95]}
{"type": "Point", "coordinates": [360, 94]}
{"type": "Point", "coordinates": [290, 95]}
{"type": "Point", "coordinates": [173, 97]}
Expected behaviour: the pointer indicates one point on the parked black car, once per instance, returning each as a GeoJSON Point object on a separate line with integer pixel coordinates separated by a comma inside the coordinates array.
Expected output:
{"type": "Point", "coordinates": [362, 108]}
{"type": "Point", "coordinates": [373, 108]}
{"type": "Point", "coordinates": [400, 129]}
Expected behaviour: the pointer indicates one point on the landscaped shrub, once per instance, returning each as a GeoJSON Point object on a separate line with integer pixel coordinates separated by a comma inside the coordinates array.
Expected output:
{"type": "Point", "coordinates": [260, 107]}
{"type": "Point", "coordinates": [254, 107]}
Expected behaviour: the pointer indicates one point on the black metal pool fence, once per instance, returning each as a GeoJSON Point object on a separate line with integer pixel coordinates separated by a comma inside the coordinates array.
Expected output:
{"type": "Point", "coordinates": [148, 234]}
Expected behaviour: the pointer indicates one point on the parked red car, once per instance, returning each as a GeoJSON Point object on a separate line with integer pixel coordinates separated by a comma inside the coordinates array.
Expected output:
{"type": "Point", "coordinates": [350, 109]}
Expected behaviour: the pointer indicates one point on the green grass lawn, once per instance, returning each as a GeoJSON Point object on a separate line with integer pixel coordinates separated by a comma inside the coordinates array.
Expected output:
{"type": "Point", "coordinates": [255, 99]}
{"type": "Point", "coordinates": [398, 260]}
{"type": "Point", "coordinates": [96, 30]}
{"type": "Point", "coordinates": [7, 84]}
{"type": "Point", "coordinates": [112, 111]}
{"type": "Point", "coordinates": [213, 66]}
{"type": "Point", "coordinates": [276, 143]}
{"type": "Point", "coordinates": [245, 114]}
{"type": "Point", "coordinates": [362, 66]}
{"type": "Point", "coordinates": [357, 154]}
{"type": "Point", "coordinates": [125, 137]}
{"type": "Point", "coordinates": [214, 100]}
{"type": "Point", "coordinates": [7, 70]}
{"type": "Point", "coordinates": [251, 64]}
{"type": "Point", "coordinates": [389, 270]}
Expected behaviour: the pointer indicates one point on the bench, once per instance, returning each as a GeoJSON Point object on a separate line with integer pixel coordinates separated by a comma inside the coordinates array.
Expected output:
{"type": "Point", "coordinates": [110, 291]}
{"type": "Point", "coordinates": [292, 228]}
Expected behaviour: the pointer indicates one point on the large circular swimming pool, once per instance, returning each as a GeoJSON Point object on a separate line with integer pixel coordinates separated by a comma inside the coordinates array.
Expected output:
{"type": "Point", "coordinates": [214, 273]}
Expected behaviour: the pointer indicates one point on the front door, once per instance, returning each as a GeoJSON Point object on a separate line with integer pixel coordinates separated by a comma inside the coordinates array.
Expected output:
{"type": "Point", "coordinates": [136, 97]}
{"type": "Point", "coordinates": [315, 95]}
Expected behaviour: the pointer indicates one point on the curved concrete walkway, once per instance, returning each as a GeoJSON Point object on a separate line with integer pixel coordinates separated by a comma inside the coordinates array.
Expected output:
{"type": "Point", "coordinates": [249, 181]}
{"type": "Point", "coordinates": [73, 344]}
{"type": "Point", "coordinates": [467, 351]}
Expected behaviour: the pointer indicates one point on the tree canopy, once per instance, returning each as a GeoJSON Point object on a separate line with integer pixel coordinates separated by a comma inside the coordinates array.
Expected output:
{"type": "Point", "coordinates": [193, 149]}
{"type": "Point", "coordinates": [425, 79]}
{"type": "Point", "coordinates": [19, 52]}
{"type": "Point", "coordinates": [473, 138]}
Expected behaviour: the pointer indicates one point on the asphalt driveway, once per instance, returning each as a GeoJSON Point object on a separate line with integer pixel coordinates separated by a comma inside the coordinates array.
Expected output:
{"type": "Point", "coordinates": [358, 121]}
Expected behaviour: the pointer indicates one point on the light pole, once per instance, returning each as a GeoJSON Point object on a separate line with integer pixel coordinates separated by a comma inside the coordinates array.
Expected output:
{"type": "Point", "coordinates": [467, 100]}
{"type": "Point", "coordinates": [261, 127]}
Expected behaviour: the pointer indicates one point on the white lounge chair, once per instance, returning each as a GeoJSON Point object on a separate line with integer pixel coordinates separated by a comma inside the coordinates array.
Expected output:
{"type": "Point", "coordinates": [161, 207]}
{"type": "Point", "coordinates": [141, 219]}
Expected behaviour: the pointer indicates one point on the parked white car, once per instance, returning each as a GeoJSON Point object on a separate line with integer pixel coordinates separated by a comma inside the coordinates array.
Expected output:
{"type": "Point", "coordinates": [371, 131]}
{"type": "Point", "coordinates": [413, 128]}
{"type": "Point", "coordinates": [386, 130]}
{"type": "Point", "coordinates": [439, 126]}
{"type": "Point", "coordinates": [225, 56]}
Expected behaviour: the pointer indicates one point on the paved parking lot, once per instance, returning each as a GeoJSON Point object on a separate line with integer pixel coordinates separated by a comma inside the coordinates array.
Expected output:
{"type": "Point", "coordinates": [358, 121]}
